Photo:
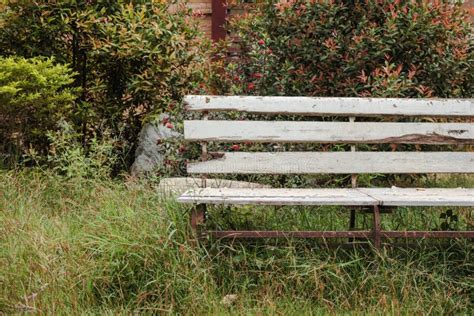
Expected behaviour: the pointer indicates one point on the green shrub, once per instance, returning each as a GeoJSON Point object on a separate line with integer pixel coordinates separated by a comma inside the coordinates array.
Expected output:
{"type": "Point", "coordinates": [147, 60]}
{"type": "Point", "coordinates": [133, 59]}
{"type": "Point", "coordinates": [353, 48]}
{"type": "Point", "coordinates": [34, 95]}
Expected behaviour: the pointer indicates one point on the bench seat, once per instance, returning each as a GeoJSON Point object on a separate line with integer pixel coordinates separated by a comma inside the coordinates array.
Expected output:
{"type": "Point", "coordinates": [421, 196]}
{"type": "Point", "coordinates": [343, 197]}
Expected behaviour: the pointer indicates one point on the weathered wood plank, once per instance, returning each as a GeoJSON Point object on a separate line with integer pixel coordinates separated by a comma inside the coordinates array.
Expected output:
{"type": "Point", "coordinates": [344, 197]}
{"type": "Point", "coordinates": [421, 196]}
{"type": "Point", "coordinates": [350, 197]}
{"type": "Point", "coordinates": [320, 106]}
{"type": "Point", "coordinates": [336, 163]}
{"type": "Point", "coordinates": [329, 132]}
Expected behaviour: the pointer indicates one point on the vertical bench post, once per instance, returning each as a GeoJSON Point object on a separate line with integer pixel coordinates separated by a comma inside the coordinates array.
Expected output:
{"type": "Point", "coordinates": [198, 213]}
{"type": "Point", "coordinates": [352, 221]}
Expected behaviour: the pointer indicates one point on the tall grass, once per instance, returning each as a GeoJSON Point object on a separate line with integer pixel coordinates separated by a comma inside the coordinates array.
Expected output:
{"type": "Point", "coordinates": [82, 246]}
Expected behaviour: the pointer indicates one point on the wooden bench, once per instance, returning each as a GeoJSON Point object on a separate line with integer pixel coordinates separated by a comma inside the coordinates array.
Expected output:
{"type": "Point", "coordinates": [414, 130]}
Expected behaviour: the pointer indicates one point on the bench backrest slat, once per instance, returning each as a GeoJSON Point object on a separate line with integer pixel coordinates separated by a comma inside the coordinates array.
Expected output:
{"type": "Point", "coordinates": [458, 131]}
{"type": "Point", "coordinates": [324, 106]}
{"type": "Point", "coordinates": [329, 132]}
{"type": "Point", "coordinates": [336, 163]}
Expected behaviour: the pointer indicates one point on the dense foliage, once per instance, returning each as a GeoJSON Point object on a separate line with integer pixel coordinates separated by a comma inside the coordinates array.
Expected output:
{"type": "Point", "coordinates": [34, 95]}
{"type": "Point", "coordinates": [353, 48]}
{"type": "Point", "coordinates": [132, 59]}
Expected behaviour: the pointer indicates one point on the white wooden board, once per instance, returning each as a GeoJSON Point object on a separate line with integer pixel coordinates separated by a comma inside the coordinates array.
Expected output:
{"type": "Point", "coordinates": [349, 197]}
{"type": "Point", "coordinates": [318, 106]}
{"type": "Point", "coordinates": [342, 197]}
{"type": "Point", "coordinates": [421, 196]}
{"type": "Point", "coordinates": [329, 132]}
{"type": "Point", "coordinates": [337, 163]}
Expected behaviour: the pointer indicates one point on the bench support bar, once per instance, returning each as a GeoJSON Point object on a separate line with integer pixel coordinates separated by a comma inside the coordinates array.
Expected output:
{"type": "Point", "coordinates": [198, 217]}
{"type": "Point", "coordinates": [341, 234]}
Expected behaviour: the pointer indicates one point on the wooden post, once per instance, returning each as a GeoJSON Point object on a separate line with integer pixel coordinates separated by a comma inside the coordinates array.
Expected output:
{"type": "Point", "coordinates": [204, 153]}
{"type": "Point", "coordinates": [198, 213]}
{"type": "Point", "coordinates": [377, 228]}
{"type": "Point", "coordinates": [352, 221]}
{"type": "Point", "coordinates": [219, 17]}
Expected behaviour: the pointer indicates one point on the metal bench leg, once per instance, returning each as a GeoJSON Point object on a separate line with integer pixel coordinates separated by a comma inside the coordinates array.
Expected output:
{"type": "Point", "coordinates": [352, 222]}
{"type": "Point", "coordinates": [198, 218]}
{"type": "Point", "coordinates": [377, 228]}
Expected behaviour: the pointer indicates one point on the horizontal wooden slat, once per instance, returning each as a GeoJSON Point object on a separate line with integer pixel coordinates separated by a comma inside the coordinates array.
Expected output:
{"type": "Point", "coordinates": [421, 196]}
{"type": "Point", "coordinates": [348, 197]}
{"type": "Point", "coordinates": [343, 197]}
{"type": "Point", "coordinates": [336, 163]}
{"type": "Point", "coordinates": [329, 132]}
{"type": "Point", "coordinates": [319, 106]}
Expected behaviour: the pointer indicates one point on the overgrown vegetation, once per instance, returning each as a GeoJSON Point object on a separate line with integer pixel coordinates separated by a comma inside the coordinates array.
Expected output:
{"type": "Point", "coordinates": [79, 78]}
{"type": "Point", "coordinates": [81, 246]}
{"type": "Point", "coordinates": [352, 48]}
{"type": "Point", "coordinates": [132, 59]}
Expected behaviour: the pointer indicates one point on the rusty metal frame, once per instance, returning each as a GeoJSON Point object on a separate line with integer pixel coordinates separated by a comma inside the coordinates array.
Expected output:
{"type": "Point", "coordinates": [376, 234]}
{"type": "Point", "coordinates": [377, 227]}
{"type": "Point", "coordinates": [338, 234]}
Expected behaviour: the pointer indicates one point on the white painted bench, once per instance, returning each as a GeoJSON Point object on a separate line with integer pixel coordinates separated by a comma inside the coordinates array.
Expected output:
{"type": "Point", "coordinates": [349, 162]}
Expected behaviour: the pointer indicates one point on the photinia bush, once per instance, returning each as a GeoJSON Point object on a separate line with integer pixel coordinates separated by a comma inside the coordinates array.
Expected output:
{"type": "Point", "coordinates": [351, 48]}
{"type": "Point", "coordinates": [380, 48]}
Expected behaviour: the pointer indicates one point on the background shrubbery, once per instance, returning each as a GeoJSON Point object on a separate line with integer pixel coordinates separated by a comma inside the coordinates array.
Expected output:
{"type": "Point", "coordinates": [131, 59]}
{"type": "Point", "coordinates": [347, 49]}
{"type": "Point", "coordinates": [353, 48]}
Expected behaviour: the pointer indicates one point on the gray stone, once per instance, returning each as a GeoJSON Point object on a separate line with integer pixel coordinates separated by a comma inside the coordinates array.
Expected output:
{"type": "Point", "coordinates": [150, 151]}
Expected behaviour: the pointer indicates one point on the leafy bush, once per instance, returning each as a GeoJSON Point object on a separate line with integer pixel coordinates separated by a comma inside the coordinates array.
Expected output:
{"type": "Point", "coordinates": [347, 48]}
{"type": "Point", "coordinates": [147, 60]}
{"type": "Point", "coordinates": [34, 95]}
{"type": "Point", "coordinates": [133, 59]}
{"type": "Point", "coordinates": [353, 48]}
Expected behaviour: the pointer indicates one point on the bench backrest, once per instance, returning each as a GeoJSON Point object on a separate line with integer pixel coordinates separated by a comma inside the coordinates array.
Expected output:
{"type": "Point", "coordinates": [459, 131]}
